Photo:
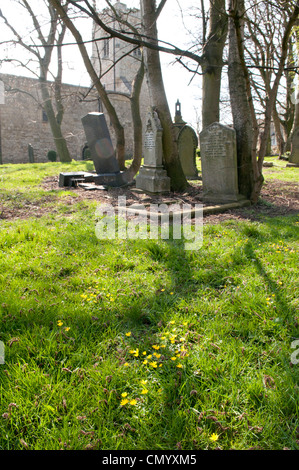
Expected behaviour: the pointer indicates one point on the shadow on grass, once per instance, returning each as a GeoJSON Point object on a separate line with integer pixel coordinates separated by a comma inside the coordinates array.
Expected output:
{"type": "Point", "coordinates": [98, 331]}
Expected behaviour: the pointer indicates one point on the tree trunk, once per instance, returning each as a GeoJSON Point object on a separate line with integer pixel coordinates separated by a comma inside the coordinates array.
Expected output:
{"type": "Point", "coordinates": [273, 92]}
{"type": "Point", "coordinates": [137, 122]}
{"type": "Point", "coordinates": [295, 96]}
{"type": "Point", "coordinates": [278, 133]}
{"type": "Point", "coordinates": [118, 128]}
{"type": "Point", "coordinates": [60, 142]}
{"type": "Point", "coordinates": [242, 116]}
{"type": "Point", "coordinates": [159, 101]}
{"type": "Point", "coordinates": [212, 63]}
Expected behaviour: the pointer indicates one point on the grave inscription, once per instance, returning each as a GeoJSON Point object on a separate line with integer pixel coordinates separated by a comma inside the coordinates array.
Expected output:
{"type": "Point", "coordinates": [218, 150]}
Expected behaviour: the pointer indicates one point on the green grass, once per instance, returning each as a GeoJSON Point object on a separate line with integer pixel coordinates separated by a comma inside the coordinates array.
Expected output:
{"type": "Point", "coordinates": [279, 171]}
{"type": "Point", "coordinates": [139, 344]}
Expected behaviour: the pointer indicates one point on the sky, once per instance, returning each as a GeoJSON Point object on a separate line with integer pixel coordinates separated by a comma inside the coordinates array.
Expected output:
{"type": "Point", "coordinates": [171, 28]}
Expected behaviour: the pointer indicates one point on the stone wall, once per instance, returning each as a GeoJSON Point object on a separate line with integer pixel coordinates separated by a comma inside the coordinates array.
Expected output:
{"type": "Point", "coordinates": [23, 121]}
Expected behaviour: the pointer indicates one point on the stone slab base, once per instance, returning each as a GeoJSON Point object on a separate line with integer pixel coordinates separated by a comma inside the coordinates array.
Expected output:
{"type": "Point", "coordinates": [69, 179]}
{"type": "Point", "coordinates": [153, 180]}
{"type": "Point", "coordinates": [106, 179]}
{"type": "Point", "coordinates": [222, 198]}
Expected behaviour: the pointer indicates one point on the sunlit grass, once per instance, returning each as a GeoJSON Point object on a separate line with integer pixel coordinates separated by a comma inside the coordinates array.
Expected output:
{"type": "Point", "coordinates": [139, 344]}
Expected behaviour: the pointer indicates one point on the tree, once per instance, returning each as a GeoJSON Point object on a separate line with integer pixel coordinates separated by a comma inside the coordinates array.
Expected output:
{"type": "Point", "coordinates": [212, 60]}
{"type": "Point", "coordinates": [43, 53]}
{"type": "Point", "coordinates": [114, 14]}
{"type": "Point", "coordinates": [148, 41]}
{"type": "Point", "coordinates": [158, 98]}
{"type": "Point", "coordinates": [61, 9]}
{"type": "Point", "coordinates": [244, 114]}
{"type": "Point", "coordinates": [263, 37]}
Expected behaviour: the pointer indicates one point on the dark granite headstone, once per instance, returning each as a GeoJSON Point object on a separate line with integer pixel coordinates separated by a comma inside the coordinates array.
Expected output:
{"type": "Point", "coordinates": [102, 153]}
{"type": "Point", "coordinates": [30, 153]}
{"type": "Point", "coordinates": [99, 143]}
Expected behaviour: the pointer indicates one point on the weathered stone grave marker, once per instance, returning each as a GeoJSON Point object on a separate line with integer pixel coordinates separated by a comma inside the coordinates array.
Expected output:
{"type": "Point", "coordinates": [187, 144]}
{"type": "Point", "coordinates": [152, 176]}
{"type": "Point", "coordinates": [99, 143]}
{"type": "Point", "coordinates": [218, 151]}
{"type": "Point", "coordinates": [102, 154]}
{"type": "Point", "coordinates": [30, 153]}
{"type": "Point", "coordinates": [294, 157]}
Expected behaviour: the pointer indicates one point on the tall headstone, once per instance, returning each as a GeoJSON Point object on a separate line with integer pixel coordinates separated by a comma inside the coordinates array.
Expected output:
{"type": "Point", "coordinates": [30, 153]}
{"type": "Point", "coordinates": [187, 145]}
{"type": "Point", "coordinates": [102, 152]}
{"type": "Point", "coordinates": [218, 151]}
{"type": "Point", "coordinates": [294, 157]}
{"type": "Point", "coordinates": [152, 176]}
{"type": "Point", "coordinates": [99, 143]}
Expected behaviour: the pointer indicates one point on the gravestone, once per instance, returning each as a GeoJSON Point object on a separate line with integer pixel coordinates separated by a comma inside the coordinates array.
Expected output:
{"type": "Point", "coordinates": [99, 143]}
{"type": "Point", "coordinates": [187, 145]}
{"type": "Point", "coordinates": [102, 151]}
{"type": "Point", "coordinates": [152, 176]}
{"type": "Point", "coordinates": [103, 155]}
{"type": "Point", "coordinates": [218, 151]}
{"type": "Point", "coordinates": [294, 157]}
{"type": "Point", "coordinates": [30, 154]}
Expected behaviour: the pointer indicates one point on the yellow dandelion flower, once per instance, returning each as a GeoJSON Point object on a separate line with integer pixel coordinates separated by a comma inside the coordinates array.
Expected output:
{"type": "Point", "coordinates": [154, 364]}
{"type": "Point", "coordinates": [124, 394]}
{"type": "Point", "coordinates": [155, 346]}
{"type": "Point", "coordinates": [67, 328]}
{"type": "Point", "coordinates": [124, 402]}
{"type": "Point", "coordinates": [172, 322]}
{"type": "Point", "coordinates": [149, 356]}
{"type": "Point", "coordinates": [157, 355]}
{"type": "Point", "coordinates": [214, 437]}
{"type": "Point", "coordinates": [145, 362]}
{"type": "Point", "coordinates": [173, 358]}
{"type": "Point", "coordinates": [126, 364]}
{"type": "Point", "coordinates": [59, 323]}
{"type": "Point", "coordinates": [144, 353]}
{"type": "Point", "coordinates": [129, 333]}
{"type": "Point", "coordinates": [144, 391]}
{"type": "Point", "coordinates": [143, 382]}
{"type": "Point", "coordinates": [133, 402]}
{"type": "Point", "coordinates": [179, 366]}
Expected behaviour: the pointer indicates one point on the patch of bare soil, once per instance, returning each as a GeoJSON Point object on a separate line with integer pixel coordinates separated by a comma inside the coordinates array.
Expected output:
{"type": "Point", "coordinates": [277, 198]}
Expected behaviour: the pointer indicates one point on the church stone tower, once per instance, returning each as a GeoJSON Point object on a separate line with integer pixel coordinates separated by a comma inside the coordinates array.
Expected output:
{"type": "Point", "coordinates": [117, 63]}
